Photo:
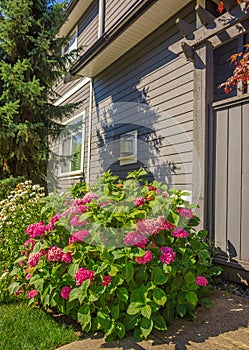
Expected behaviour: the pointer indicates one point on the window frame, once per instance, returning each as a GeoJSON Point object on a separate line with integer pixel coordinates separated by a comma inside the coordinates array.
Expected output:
{"type": "Point", "coordinates": [130, 159]}
{"type": "Point", "coordinates": [67, 123]}
{"type": "Point", "coordinates": [73, 46]}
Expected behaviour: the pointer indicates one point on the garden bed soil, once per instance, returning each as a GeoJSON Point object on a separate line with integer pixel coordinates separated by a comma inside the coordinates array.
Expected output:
{"type": "Point", "coordinates": [225, 326]}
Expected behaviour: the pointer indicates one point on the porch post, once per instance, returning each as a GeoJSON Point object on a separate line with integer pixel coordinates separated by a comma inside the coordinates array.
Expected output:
{"type": "Point", "coordinates": [203, 96]}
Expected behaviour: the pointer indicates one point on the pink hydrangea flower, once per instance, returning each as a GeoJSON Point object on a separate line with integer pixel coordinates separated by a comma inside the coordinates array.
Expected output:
{"type": "Point", "coordinates": [33, 259]}
{"type": "Point", "coordinates": [21, 262]}
{"type": "Point", "coordinates": [30, 243]}
{"type": "Point", "coordinates": [32, 293]}
{"type": "Point", "coordinates": [201, 281]}
{"type": "Point", "coordinates": [147, 257]}
{"type": "Point", "coordinates": [82, 275]}
{"type": "Point", "coordinates": [66, 257]}
{"type": "Point", "coordinates": [139, 201]}
{"type": "Point", "coordinates": [136, 239]}
{"type": "Point", "coordinates": [78, 236]}
{"type": "Point", "coordinates": [185, 213]}
{"type": "Point", "coordinates": [87, 198]}
{"type": "Point", "coordinates": [65, 292]}
{"type": "Point", "coordinates": [19, 291]}
{"type": "Point", "coordinates": [54, 254]}
{"type": "Point", "coordinates": [151, 188]}
{"type": "Point", "coordinates": [75, 221]}
{"type": "Point", "coordinates": [165, 225]}
{"type": "Point", "coordinates": [179, 232]}
{"type": "Point", "coordinates": [37, 229]}
{"type": "Point", "coordinates": [168, 255]}
{"type": "Point", "coordinates": [28, 276]}
{"type": "Point", "coordinates": [78, 201]}
{"type": "Point", "coordinates": [106, 280]}
{"type": "Point", "coordinates": [53, 220]}
{"type": "Point", "coordinates": [79, 209]}
{"type": "Point", "coordinates": [148, 226]}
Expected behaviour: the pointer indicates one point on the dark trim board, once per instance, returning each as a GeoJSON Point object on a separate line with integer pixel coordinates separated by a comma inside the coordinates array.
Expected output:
{"type": "Point", "coordinates": [234, 270]}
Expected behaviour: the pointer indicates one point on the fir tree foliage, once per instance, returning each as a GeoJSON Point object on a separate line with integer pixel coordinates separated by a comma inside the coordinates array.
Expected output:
{"type": "Point", "coordinates": [31, 64]}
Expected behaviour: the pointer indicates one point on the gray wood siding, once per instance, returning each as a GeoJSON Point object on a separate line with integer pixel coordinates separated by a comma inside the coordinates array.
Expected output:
{"type": "Point", "coordinates": [114, 10]}
{"type": "Point", "coordinates": [88, 27]}
{"type": "Point", "coordinates": [231, 178]}
{"type": "Point", "coordinates": [149, 89]}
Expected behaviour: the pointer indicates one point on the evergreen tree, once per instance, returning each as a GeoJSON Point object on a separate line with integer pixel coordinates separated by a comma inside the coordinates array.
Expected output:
{"type": "Point", "coordinates": [30, 65]}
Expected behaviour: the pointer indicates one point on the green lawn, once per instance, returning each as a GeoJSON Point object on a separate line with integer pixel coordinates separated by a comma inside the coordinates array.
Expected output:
{"type": "Point", "coordinates": [23, 328]}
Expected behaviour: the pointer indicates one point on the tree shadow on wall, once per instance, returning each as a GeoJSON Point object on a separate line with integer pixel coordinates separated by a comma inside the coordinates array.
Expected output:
{"type": "Point", "coordinates": [156, 152]}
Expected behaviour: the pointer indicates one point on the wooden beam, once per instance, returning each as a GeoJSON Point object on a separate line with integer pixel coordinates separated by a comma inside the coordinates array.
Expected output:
{"type": "Point", "coordinates": [184, 27]}
{"type": "Point", "coordinates": [204, 15]}
{"type": "Point", "coordinates": [229, 4]}
{"type": "Point", "coordinates": [225, 23]}
{"type": "Point", "coordinates": [188, 52]}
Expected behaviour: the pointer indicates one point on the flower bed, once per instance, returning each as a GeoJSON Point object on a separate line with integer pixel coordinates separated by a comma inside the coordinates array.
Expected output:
{"type": "Point", "coordinates": [123, 257]}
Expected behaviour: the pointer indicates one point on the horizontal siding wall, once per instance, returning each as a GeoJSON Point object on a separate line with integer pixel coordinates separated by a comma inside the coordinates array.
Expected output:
{"type": "Point", "coordinates": [115, 10]}
{"type": "Point", "coordinates": [88, 27]}
{"type": "Point", "coordinates": [149, 89]}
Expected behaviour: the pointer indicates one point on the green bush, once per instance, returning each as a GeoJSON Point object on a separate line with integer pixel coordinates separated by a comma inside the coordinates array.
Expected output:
{"type": "Point", "coordinates": [124, 257]}
{"type": "Point", "coordinates": [8, 185]}
{"type": "Point", "coordinates": [21, 208]}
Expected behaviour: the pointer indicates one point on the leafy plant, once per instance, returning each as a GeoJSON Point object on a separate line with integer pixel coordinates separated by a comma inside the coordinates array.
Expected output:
{"type": "Point", "coordinates": [124, 257]}
{"type": "Point", "coordinates": [8, 185]}
{"type": "Point", "coordinates": [21, 208]}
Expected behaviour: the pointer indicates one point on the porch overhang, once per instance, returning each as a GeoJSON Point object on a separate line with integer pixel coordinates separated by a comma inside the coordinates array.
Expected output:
{"type": "Point", "coordinates": [138, 23]}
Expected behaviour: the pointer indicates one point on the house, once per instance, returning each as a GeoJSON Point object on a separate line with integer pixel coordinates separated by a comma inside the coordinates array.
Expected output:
{"type": "Point", "coordinates": [147, 80]}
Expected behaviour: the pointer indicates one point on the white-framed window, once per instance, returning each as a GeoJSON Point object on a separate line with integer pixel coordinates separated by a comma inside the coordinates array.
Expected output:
{"type": "Point", "coordinates": [128, 148]}
{"type": "Point", "coordinates": [73, 42]}
{"type": "Point", "coordinates": [72, 146]}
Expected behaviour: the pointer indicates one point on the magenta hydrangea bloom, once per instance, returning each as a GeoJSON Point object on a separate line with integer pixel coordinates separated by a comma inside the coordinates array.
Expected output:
{"type": "Point", "coordinates": [53, 220]}
{"type": "Point", "coordinates": [37, 229]}
{"type": "Point", "coordinates": [185, 213]}
{"type": "Point", "coordinates": [78, 236]}
{"type": "Point", "coordinates": [65, 292]}
{"type": "Point", "coordinates": [32, 293]}
{"type": "Point", "coordinates": [33, 259]}
{"type": "Point", "coordinates": [147, 257]}
{"type": "Point", "coordinates": [106, 280]}
{"type": "Point", "coordinates": [139, 201]}
{"type": "Point", "coordinates": [179, 232]}
{"type": "Point", "coordinates": [201, 281]}
{"type": "Point", "coordinates": [136, 239]}
{"type": "Point", "coordinates": [54, 254]}
{"type": "Point", "coordinates": [164, 224]}
{"type": "Point", "coordinates": [148, 226]}
{"type": "Point", "coordinates": [19, 291]}
{"type": "Point", "coordinates": [75, 221]}
{"type": "Point", "coordinates": [168, 255]}
{"type": "Point", "coordinates": [66, 257]}
{"type": "Point", "coordinates": [82, 275]}
{"type": "Point", "coordinates": [29, 244]}
{"type": "Point", "coordinates": [87, 198]}
{"type": "Point", "coordinates": [79, 209]}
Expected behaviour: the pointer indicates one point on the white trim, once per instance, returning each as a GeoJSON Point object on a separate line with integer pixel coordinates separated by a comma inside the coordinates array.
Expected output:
{"type": "Point", "coordinates": [72, 91]}
{"type": "Point", "coordinates": [89, 132]}
{"type": "Point", "coordinates": [68, 122]}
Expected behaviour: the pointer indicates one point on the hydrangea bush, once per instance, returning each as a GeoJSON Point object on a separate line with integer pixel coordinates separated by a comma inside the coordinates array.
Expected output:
{"type": "Point", "coordinates": [125, 256]}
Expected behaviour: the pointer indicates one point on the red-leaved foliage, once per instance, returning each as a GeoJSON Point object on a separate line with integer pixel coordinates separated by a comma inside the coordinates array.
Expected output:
{"type": "Point", "coordinates": [221, 5]}
{"type": "Point", "coordinates": [240, 73]}
{"type": "Point", "coordinates": [241, 60]}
